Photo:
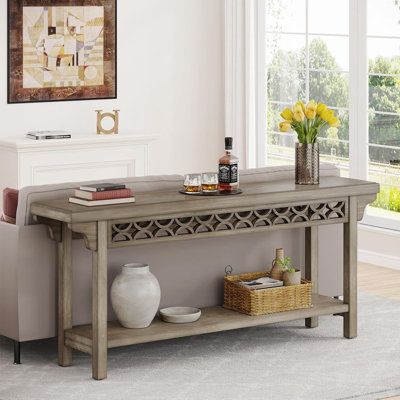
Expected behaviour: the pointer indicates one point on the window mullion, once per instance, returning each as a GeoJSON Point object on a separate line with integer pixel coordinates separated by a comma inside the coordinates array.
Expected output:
{"type": "Point", "coordinates": [261, 85]}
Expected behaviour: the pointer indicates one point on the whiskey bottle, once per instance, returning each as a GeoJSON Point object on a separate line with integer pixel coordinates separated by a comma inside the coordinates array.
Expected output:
{"type": "Point", "coordinates": [228, 177]}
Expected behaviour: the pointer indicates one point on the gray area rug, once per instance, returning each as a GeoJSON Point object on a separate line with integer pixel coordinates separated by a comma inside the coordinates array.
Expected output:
{"type": "Point", "coordinates": [276, 362]}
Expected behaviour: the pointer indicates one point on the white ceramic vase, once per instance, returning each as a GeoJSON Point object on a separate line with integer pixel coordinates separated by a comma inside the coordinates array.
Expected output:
{"type": "Point", "coordinates": [135, 296]}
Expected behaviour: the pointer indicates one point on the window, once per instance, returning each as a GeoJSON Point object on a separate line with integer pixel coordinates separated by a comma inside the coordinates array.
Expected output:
{"type": "Point", "coordinates": [308, 56]}
{"type": "Point", "coordinates": [383, 47]}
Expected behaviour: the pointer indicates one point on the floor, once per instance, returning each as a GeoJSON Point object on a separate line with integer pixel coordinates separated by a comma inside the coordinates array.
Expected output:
{"type": "Point", "coordinates": [380, 281]}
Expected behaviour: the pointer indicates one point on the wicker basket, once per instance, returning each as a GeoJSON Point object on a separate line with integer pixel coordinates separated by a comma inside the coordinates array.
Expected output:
{"type": "Point", "coordinates": [264, 301]}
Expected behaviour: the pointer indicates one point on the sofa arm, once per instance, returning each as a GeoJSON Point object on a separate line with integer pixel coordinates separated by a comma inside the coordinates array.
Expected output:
{"type": "Point", "coordinates": [9, 280]}
{"type": "Point", "coordinates": [37, 292]}
{"type": "Point", "coordinates": [27, 282]}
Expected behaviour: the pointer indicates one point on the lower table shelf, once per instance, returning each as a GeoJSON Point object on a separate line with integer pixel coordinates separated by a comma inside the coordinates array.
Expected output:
{"type": "Point", "coordinates": [213, 319]}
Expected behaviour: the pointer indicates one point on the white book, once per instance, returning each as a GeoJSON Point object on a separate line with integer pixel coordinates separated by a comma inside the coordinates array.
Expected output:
{"type": "Point", "coordinates": [93, 203]}
{"type": "Point", "coordinates": [45, 135]}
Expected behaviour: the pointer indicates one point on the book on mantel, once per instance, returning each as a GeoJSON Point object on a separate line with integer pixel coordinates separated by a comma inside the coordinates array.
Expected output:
{"type": "Point", "coordinates": [48, 135]}
{"type": "Point", "coordinates": [102, 194]}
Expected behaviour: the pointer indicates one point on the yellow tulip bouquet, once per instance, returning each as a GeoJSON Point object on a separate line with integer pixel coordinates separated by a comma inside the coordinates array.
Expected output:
{"type": "Point", "coordinates": [308, 120]}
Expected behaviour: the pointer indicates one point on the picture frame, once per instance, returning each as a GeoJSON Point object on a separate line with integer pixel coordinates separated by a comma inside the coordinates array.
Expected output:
{"type": "Point", "coordinates": [61, 50]}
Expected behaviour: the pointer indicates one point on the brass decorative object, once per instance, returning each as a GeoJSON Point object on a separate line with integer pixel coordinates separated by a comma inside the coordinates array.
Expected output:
{"type": "Point", "coordinates": [101, 116]}
{"type": "Point", "coordinates": [307, 164]}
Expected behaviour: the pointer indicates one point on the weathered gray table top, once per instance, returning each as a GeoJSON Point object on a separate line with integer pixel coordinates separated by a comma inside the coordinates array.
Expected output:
{"type": "Point", "coordinates": [172, 202]}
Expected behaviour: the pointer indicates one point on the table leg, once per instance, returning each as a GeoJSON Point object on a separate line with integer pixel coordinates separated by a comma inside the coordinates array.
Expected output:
{"type": "Point", "coordinates": [350, 271]}
{"type": "Point", "coordinates": [99, 304]}
{"type": "Point", "coordinates": [64, 295]}
{"type": "Point", "coordinates": [311, 265]}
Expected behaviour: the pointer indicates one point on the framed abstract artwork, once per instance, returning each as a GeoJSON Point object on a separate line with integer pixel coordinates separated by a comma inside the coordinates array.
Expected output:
{"type": "Point", "coordinates": [61, 50]}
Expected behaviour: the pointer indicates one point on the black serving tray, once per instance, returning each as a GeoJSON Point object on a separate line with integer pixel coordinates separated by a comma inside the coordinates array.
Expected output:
{"type": "Point", "coordinates": [219, 193]}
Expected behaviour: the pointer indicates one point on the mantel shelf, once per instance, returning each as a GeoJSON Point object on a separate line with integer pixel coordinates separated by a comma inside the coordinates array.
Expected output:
{"type": "Point", "coordinates": [213, 319]}
{"type": "Point", "coordinates": [22, 144]}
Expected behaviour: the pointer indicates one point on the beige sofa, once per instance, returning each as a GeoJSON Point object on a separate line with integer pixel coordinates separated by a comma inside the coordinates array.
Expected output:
{"type": "Point", "coordinates": [190, 272]}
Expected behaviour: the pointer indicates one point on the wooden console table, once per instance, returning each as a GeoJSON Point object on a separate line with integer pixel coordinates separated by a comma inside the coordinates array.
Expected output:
{"type": "Point", "coordinates": [169, 216]}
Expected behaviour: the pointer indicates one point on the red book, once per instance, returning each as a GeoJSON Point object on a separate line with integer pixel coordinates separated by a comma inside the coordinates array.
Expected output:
{"type": "Point", "coordinates": [107, 195]}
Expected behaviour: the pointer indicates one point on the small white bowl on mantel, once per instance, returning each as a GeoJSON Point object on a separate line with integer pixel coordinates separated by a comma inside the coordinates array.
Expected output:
{"type": "Point", "coordinates": [180, 315]}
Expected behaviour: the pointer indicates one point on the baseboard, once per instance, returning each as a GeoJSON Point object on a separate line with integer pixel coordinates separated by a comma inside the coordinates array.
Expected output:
{"type": "Point", "coordinates": [383, 260]}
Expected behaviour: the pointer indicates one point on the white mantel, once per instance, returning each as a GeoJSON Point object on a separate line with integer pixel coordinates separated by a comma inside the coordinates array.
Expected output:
{"type": "Point", "coordinates": [26, 162]}
{"type": "Point", "coordinates": [23, 144]}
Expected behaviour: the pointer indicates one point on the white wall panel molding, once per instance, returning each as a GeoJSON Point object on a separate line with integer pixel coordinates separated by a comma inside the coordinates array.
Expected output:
{"type": "Point", "coordinates": [92, 170]}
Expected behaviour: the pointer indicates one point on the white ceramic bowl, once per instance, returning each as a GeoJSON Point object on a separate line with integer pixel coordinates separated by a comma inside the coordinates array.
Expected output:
{"type": "Point", "coordinates": [180, 315]}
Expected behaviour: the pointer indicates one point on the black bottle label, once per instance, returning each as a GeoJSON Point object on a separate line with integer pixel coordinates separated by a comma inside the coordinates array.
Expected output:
{"type": "Point", "coordinates": [228, 173]}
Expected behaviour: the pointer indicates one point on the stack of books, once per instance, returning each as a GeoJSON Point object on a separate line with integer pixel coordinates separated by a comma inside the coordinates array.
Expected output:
{"type": "Point", "coordinates": [102, 194]}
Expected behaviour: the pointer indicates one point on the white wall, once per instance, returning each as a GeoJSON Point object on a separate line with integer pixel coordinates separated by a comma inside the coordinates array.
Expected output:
{"type": "Point", "coordinates": [171, 82]}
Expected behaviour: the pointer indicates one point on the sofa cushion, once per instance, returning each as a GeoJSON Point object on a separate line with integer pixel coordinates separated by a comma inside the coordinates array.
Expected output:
{"type": "Point", "coordinates": [31, 194]}
{"type": "Point", "coordinates": [10, 204]}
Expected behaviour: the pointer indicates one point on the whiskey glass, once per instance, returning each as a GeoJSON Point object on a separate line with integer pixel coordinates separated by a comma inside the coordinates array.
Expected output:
{"type": "Point", "coordinates": [192, 183]}
{"type": "Point", "coordinates": [209, 182]}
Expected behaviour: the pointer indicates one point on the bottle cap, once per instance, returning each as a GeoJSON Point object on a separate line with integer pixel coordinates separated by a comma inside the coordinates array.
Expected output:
{"type": "Point", "coordinates": [228, 143]}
